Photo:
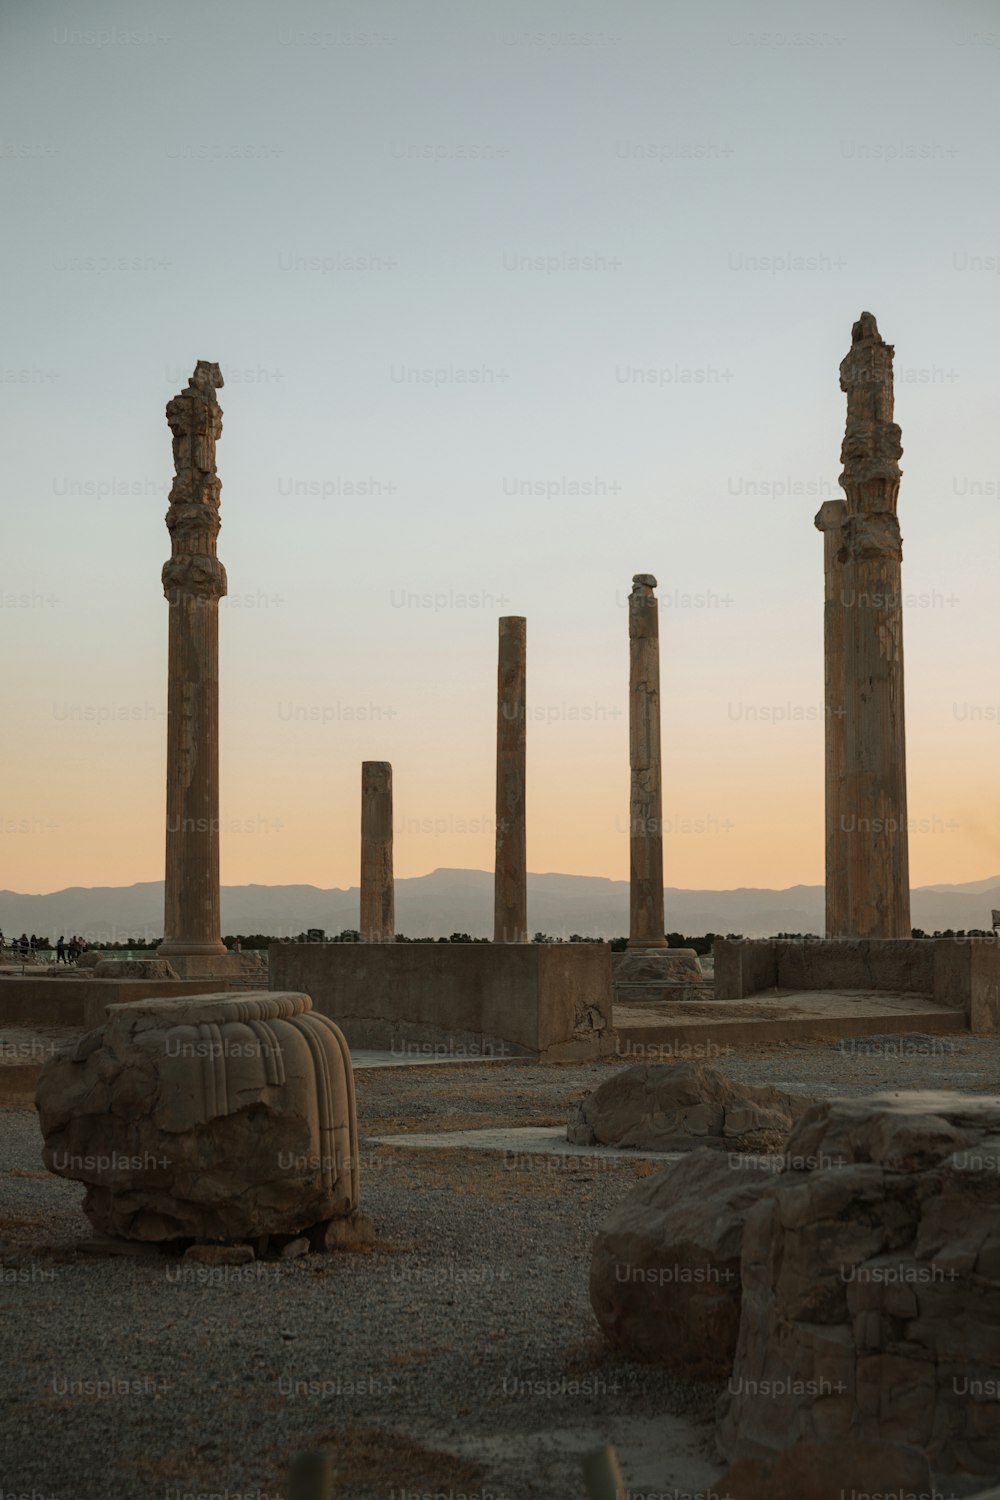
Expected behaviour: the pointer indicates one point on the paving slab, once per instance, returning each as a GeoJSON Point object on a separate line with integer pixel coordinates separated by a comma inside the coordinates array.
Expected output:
{"type": "Point", "coordinates": [427, 1057]}
{"type": "Point", "coordinates": [540, 1140]}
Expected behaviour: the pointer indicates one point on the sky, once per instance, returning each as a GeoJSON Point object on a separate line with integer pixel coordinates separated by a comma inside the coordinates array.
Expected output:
{"type": "Point", "coordinates": [511, 302]}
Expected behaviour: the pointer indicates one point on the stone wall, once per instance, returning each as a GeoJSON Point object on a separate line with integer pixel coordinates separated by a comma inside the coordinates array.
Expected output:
{"type": "Point", "coordinates": [967, 974]}
{"type": "Point", "coordinates": [473, 999]}
{"type": "Point", "coordinates": [743, 966]}
{"type": "Point", "coordinates": [82, 1002]}
{"type": "Point", "coordinates": [961, 973]}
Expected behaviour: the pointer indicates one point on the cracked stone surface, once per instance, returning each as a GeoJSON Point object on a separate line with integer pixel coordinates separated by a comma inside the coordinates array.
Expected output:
{"type": "Point", "coordinates": [665, 1272]}
{"type": "Point", "coordinates": [219, 1117]}
{"type": "Point", "coordinates": [676, 1106]}
{"type": "Point", "coordinates": [871, 1285]}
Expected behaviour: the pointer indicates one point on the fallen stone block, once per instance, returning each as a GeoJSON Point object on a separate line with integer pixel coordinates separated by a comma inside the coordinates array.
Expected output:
{"type": "Point", "coordinates": [355, 1232]}
{"type": "Point", "coordinates": [871, 1285]}
{"type": "Point", "coordinates": [677, 1106]}
{"type": "Point", "coordinates": [218, 1118]}
{"type": "Point", "coordinates": [665, 1269]}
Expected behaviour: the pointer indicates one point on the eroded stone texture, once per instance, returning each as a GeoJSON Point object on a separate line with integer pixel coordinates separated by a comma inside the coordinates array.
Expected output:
{"type": "Point", "coordinates": [194, 580]}
{"type": "Point", "coordinates": [510, 899]}
{"type": "Point", "coordinates": [646, 926]}
{"type": "Point", "coordinates": [871, 1285]}
{"type": "Point", "coordinates": [664, 1276]}
{"type": "Point", "coordinates": [829, 520]}
{"type": "Point", "coordinates": [873, 794]}
{"type": "Point", "coordinates": [134, 968]}
{"type": "Point", "coordinates": [378, 897]}
{"type": "Point", "coordinates": [677, 1106]}
{"type": "Point", "coordinates": [643, 975]}
{"type": "Point", "coordinates": [216, 1118]}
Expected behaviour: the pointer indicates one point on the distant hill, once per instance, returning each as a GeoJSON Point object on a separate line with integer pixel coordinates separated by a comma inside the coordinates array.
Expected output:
{"type": "Point", "coordinates": [447, 901]}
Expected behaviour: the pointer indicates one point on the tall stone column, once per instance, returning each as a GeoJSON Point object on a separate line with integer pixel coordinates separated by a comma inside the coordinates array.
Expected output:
{"type": "Point", "coordinates": [378, 897]}
{"type": "Point", "coordinates": [874, 788]}
{"type": "Point", "coordinates": [510, 886]}
{"type": "Point", "coordinates": [829, 520]}
{"type": "Point", "coordinates": [194, 581]}
{"type": "Point", "coordinates": [648, 971]}
{"type": "Point", "coordinates": [646, 799]}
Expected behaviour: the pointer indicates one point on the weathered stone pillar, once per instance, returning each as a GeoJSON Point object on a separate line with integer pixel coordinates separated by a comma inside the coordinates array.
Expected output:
{"type": "Point", "coordinates": [646, 800]}
{"type": "Point", "coordinates": [378, 896]}
{"type": "Point", "coordinates": [829, 520]}
{"type": "Point", "coordinates": [194, 581]}
{"type": "Point", "coordinates": [648, 970]}
{"type": "Point", "coordinates": [874, 789]}
{"type": "Point", "coordinates": [510, 888]}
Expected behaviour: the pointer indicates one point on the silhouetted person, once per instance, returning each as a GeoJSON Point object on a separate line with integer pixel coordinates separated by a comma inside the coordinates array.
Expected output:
{"type": "Point", "coordinates": [61, 951]}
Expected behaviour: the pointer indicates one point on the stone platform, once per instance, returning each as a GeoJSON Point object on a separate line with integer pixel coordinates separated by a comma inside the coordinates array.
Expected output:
{"type": "Point", "coordinates": [960, 973]}
{"type": "Point", "coordinates": [71, 1001]}
{"type": "Point", "coordinates": [691, 1029]}
{"type": "Point", "coordinates": [542, 1000]}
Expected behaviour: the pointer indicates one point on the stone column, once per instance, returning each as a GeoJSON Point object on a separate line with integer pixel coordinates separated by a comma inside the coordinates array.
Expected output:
{"type": "Point", "coordinates": [378, 897]}
{"type": "Point", "coordinates": [194, 581]}
{"type": "Point", "coordinates": [874, 788]}
{"type": "Point", "coordinates": [510, 888]}
{"type": "Point", "coordinates": [829, 520]}
{"type": "Point", "coordinates": [648, 970]}
{"type": "Point", "coordinates": [646, 800]}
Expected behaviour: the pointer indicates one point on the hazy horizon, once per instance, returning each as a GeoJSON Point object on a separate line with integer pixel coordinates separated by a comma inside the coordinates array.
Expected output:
{"type": "Point", "coordinates": [509, 308]}
{"type": "Point", "coordinates": [981, 883]}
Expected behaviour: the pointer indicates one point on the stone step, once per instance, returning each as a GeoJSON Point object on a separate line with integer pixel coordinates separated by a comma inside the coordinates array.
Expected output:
{"type": "Point", "coordinates": [674, 1037]}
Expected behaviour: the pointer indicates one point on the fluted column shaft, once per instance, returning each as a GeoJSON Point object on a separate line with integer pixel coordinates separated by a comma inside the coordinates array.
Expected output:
{"type": "Point", "coordinates": [646, 798]}
{"type": "Point", "coordinates": [829, 521]}
{"type": "Point", "coordinates": [510, 890]}
{"type": "Point", "coordinates": [194, 580]}
{"type": "Point", "coordinates": [874, 807]}
{"type": "Point", "coordinates": [378, 898]}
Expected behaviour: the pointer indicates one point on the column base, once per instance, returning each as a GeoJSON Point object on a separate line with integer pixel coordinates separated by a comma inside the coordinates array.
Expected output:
{"type": "Point", "coordinates": [204, 965]}
{"type": "Point", "coordinates": [651, 974]}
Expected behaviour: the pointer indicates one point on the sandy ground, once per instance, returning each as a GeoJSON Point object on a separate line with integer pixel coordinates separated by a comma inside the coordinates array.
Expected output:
{"type": "Point", "coordinates": [458, 1356]}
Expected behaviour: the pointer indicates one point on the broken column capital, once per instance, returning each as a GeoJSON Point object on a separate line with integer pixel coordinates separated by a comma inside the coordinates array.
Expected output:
{"type": "Point", "coordinates": [831, 515]}
{"type": "Point", "coordinates": [871, 448]}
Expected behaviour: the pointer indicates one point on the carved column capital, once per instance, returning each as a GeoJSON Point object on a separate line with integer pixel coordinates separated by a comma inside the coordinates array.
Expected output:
{"type": "Point", "coordinates": [195, 420]}
{"type": "Point", "coordinates": [870, 536]}
{"type": "Point", "coordinates": [871, 448]}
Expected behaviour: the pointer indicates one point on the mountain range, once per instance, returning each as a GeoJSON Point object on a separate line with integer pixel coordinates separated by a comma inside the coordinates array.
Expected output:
{"type": "Point", "coordinates": [447, 901]}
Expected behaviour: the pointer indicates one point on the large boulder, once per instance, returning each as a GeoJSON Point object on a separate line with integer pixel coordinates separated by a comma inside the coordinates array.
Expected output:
{"type": "Point", "coordinates": [665, 1271]}
{"type": "Point", "coordinates": [871, 1285]}
{"type": "Point", "coordinates": [676, 1106]}
{"type": "Point", "coordinates": [90, 959]}
{"type": "Point", "coordinates": [213, 1117]}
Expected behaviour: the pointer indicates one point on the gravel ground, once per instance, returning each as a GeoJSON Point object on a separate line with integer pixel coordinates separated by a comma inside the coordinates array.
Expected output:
{"type": "Point", "coordinates": [457, 1357]}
